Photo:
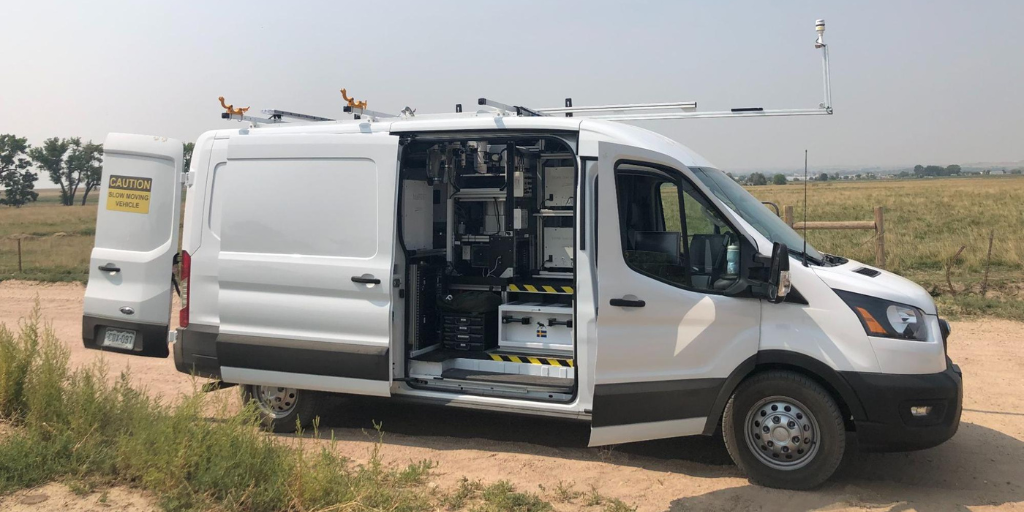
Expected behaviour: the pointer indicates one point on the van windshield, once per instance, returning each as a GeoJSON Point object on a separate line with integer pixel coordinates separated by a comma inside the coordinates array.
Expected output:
{"type": "Point", "coordinates": [751, 210]}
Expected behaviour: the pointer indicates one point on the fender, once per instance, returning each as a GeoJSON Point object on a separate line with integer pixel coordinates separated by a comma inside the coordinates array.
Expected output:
{"type": "Point", "coordinates": [784, 358]}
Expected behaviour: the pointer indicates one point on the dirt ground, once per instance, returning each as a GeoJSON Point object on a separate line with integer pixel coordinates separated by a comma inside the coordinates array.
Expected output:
{"type": "Point", "coordinates": [981, 468]}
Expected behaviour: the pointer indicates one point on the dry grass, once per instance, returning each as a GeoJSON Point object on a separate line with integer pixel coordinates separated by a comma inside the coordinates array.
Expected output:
{"type": "Point", "coordinates": [926, 221]}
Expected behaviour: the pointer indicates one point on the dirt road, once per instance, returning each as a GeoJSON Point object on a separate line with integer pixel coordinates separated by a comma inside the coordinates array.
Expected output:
{"type": "Point", "coordinates": [981, 468]}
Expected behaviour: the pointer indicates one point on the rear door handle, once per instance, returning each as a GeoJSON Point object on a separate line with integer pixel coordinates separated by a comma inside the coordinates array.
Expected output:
{"type": "Point", "coordinates": [109, 267]}
{"type": "Point", "coordinates": [365, 280]}
{"type": "Point", "coordinates": [627, 303]}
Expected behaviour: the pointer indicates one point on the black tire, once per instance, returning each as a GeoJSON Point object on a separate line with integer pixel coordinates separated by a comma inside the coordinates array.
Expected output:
{"type": "Point", "coordinates": [822, 420]}
{"type": "Point", "coordinates": [302, 411]}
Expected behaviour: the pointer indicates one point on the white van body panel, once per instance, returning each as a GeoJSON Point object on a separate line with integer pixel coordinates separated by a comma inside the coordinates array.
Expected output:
{"type": "Point", "coordinates": [826, 330]}
{"type": "Point", "coordinates": [202, 244]}
{"type": "Point", "coordinates": [885, 285]}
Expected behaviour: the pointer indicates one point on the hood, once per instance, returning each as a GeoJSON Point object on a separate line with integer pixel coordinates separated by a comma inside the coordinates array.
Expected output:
{"type": "Point", "coordinates": [884, 285]}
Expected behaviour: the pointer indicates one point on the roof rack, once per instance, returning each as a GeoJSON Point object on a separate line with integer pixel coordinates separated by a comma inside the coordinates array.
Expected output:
{"type": "Point", "coordinates": [621, 112]}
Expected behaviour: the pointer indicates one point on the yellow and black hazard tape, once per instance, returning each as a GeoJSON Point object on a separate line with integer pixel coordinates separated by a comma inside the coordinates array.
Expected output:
{"type": "Point", "coordinates": [530, 288]}
{"type": "Point", "coordinates": [547, 361]}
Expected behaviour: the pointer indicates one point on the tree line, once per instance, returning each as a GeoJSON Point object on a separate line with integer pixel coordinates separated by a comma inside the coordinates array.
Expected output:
{"type": "Point", "coordinates": [70, 163]}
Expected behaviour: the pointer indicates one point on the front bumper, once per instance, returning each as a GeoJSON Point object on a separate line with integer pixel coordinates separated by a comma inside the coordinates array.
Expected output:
{"type": "Point", "coordinates": [888, 424]}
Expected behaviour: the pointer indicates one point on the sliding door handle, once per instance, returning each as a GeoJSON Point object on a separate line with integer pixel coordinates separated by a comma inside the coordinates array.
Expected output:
{"type": "Point", "coordinates": [627, 303]}
{"type": "Point", "coordinates": [365, 280]}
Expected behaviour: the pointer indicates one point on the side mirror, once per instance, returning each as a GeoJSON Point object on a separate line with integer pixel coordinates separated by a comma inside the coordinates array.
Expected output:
{"type": "Point", "coordinates": [778, 278]}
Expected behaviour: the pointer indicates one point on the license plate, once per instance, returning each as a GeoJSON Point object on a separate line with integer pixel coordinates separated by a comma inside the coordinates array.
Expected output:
{"type": "Point", "coordinates": [119, 338]}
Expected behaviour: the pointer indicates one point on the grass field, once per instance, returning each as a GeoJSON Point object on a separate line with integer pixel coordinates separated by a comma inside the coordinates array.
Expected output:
{"type": "Point", "coordinates": [926, 222]}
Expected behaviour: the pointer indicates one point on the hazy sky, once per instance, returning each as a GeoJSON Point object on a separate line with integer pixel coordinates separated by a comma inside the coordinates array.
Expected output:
{"type": "Point", "coordinates": [913, 82]}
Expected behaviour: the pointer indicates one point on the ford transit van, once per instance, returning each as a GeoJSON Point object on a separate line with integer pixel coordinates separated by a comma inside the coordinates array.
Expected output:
{"type": "Point", "coordinates": [536, 265]}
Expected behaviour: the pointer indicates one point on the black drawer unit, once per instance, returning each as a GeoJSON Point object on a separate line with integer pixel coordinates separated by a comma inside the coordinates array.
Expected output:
{"type": "Point", "coordinates": [469, 331]}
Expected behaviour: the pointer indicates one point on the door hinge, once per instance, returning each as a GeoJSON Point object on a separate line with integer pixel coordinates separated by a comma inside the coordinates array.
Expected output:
{"type": "Point", "coordinates": [187, 179]}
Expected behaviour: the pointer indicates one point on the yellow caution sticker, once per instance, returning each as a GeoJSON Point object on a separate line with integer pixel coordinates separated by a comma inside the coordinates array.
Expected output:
{"type": "Point", "coordinates": [129, 194]}
{"type": "Point", "coordinates": [546, 361]}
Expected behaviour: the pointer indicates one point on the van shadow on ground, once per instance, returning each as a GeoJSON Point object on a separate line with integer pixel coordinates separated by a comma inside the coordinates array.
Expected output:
{"type": "Point", "coordinates": [979, 466]}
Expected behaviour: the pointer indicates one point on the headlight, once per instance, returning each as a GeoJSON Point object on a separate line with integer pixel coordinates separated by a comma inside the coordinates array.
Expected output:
{"type": "Point", "coordinates": [887, 319]}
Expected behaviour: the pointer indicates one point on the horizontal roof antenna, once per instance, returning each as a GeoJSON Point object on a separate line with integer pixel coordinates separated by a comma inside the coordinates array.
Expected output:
{"type": "Point", "coordinates": [687, 110]}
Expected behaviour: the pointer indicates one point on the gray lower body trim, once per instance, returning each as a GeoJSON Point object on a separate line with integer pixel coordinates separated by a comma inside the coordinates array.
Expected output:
{"type": "Point", "coordinates": [657, 401]}
{"type": "Point", "coordinates": [304, 357]}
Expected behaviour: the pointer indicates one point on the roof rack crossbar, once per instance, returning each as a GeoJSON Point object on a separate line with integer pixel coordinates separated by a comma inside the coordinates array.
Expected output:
{"type": "Point", "coordinates": [279, 114]}
{"type": "Point", "coordinates": [511, 109]}
{"type": "Point", "coordinates": [683, 105]}
{"type": "Point", "coordinates": [373, 115]}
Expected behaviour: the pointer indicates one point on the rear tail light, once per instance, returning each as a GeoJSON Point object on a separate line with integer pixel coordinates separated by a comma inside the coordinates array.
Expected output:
{"type": "Point", "coordinates": [186, 272]}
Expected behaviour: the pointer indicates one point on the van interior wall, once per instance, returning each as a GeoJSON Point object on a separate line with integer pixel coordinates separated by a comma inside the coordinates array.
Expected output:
{"type": "Point", "coordinates": [487, 227]}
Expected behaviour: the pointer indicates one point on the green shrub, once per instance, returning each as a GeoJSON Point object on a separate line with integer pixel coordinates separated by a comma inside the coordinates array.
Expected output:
{"type": "Point", "coordinates": [77, 426]}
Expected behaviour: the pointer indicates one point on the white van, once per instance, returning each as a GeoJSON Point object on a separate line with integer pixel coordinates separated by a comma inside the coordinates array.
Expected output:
{"type": "Point", "coordinates": [556, 266]}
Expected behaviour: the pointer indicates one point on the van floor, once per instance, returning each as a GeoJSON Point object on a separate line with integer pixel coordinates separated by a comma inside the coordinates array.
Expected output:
{"type": "Point", "coordinates": [440, 355]}
{"type": "Point", "coordinates": [525, 379]}
{"type": "Point", "coordinates": [506, 378]}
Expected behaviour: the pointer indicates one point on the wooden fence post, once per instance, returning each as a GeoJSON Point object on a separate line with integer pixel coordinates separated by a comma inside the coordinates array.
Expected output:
{"type": "Point", "coordinates": [879, 237]}
{"type": "Point", "coordinates": [787, 214]}
{"type": "Point", "coordinates": [19, 256]}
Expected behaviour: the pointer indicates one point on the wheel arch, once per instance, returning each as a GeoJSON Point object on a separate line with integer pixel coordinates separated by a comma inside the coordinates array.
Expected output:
{"type": "Point", "coordinates": [814, 369]}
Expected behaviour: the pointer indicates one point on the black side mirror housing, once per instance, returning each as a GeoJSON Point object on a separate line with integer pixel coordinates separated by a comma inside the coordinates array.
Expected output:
{"type": "Point", "coordinates": [778, 275]}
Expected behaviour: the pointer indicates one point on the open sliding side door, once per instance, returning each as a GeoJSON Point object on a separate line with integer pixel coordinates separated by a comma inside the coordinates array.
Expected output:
{"type": "Point", "coordinates": [305, 269]}
{"type": "Point", "coordinates": [128, 299]}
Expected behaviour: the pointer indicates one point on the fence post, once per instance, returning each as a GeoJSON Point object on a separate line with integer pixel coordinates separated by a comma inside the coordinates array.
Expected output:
{"type": "Point", "coordinates": [879, 237]}
{"type": "Point", "coordinates": [787, 214]}
{"type": "Point", "coordinates": [19, 256]}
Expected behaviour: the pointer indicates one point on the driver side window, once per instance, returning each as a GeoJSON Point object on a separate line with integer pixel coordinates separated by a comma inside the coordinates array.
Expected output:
{"type": "Point", "coordinates": [670, 231]}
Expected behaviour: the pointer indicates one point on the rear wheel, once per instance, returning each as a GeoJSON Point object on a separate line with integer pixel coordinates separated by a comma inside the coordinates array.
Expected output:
{"type": "Point", "coordinates": [282, 409]}
{"type": "Point", "coordinates": [784, 430]}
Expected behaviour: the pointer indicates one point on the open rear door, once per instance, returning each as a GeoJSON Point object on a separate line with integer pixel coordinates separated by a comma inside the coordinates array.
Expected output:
{"type": "Point", "coordinates": [305, 267]}
{"type": "Point", "coordinates": [128, 299]}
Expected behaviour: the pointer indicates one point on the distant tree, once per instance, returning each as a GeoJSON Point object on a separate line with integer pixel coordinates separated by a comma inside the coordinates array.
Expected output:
{"type": "Point", "coordinates": [823, 177]}
{"type": "Point", "coordinates": [919, 171]}
{"type": "Point", "coordinates": [779, 179]}
{"type": "Point", "coordinates": [69, 163]}
{"type": "Point", "coordinates": [757, 179]}
{"type": "Point", "coordinates": [952, 170]}
{"type": "Point", "coordinates": [15, 174]}
{"type": "Point", "coordinates": [1016, 171]}
{"type": "Point", "coordinates": [86, 162]}
{"type": "Point", "coordinates": [189, 146]}
{"type": "Point", "coordinates": [50, 158]}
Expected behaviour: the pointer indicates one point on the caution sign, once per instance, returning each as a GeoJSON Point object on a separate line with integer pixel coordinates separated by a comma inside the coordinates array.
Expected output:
{"type": "Point", "coordinates": [129, 194]}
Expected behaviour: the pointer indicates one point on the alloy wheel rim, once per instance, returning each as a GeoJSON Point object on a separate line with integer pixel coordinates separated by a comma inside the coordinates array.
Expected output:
{"type": "Point", "coordinates": [782, 433]}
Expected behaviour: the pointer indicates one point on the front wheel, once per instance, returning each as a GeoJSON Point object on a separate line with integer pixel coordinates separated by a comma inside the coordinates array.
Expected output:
{"type": "Point", "coordinates": [282, 410]}
{"type": "Point", "coordinates": [784, 430]}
